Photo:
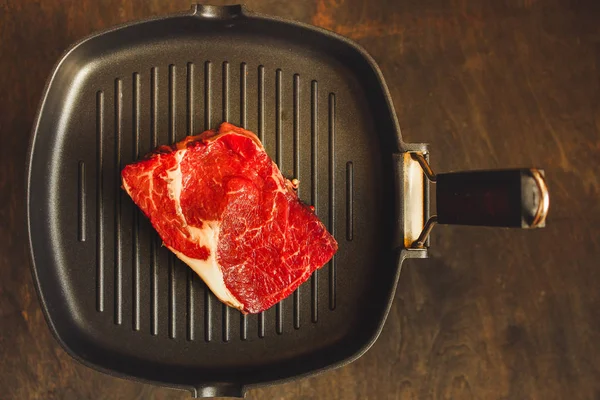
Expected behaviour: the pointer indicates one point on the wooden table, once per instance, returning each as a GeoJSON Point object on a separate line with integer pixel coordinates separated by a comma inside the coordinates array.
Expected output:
{"type": "Point", "coordinates": [493, 314]}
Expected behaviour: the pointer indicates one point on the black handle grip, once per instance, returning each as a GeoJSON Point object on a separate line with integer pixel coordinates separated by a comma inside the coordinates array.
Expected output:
{"type": "Point", "coordinates": [509, 198]}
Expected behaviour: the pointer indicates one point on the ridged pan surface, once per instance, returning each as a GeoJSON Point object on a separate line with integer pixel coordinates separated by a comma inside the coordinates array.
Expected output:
{"type": "Point", "coordinates": [114, 296]}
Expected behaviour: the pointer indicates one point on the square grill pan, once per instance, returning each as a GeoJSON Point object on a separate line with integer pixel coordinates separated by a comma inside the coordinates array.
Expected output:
{"type": "Point", "coordinates": [120, 302]}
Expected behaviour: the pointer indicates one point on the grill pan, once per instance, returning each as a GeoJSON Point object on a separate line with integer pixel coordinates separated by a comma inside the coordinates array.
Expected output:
{"type": "Point", "coordinates": [119, 302]}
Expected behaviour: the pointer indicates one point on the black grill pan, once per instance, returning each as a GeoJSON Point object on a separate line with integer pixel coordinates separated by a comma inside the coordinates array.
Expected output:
{"type": "Point", "coordinates": [119, 302]}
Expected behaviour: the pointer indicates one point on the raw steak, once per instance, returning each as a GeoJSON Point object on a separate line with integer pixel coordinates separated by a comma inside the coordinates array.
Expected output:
{"type": "Point", "coordinates": [223, 207]}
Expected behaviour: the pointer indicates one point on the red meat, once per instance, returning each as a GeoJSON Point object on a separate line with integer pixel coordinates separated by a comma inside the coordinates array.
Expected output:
{"type": "Point", "coordinates": [223, 207]}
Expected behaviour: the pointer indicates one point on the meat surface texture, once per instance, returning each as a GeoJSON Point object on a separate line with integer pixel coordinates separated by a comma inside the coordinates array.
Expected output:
{"type": "Point", "coordinates": [223, 207]}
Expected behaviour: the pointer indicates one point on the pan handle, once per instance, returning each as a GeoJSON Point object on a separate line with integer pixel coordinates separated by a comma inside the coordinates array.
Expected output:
{"type": "Point", "coordinates": [514, 198]}
{"type": "Point", "coordinates": [218, 12]}
{"type": "Point", "coordinates": [218, 390]}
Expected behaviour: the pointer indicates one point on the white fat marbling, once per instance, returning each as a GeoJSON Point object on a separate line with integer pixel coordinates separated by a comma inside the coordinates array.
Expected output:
{"type": "Point", "coordinates": [209, 270]}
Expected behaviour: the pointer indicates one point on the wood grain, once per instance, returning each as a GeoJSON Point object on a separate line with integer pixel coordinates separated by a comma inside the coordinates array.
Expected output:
{"type": "Point", "coordinates": [493, 314]}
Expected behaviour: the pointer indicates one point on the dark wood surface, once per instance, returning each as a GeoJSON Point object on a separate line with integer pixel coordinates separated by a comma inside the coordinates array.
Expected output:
{"type": "Point", "coordinates": [493, 314]}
